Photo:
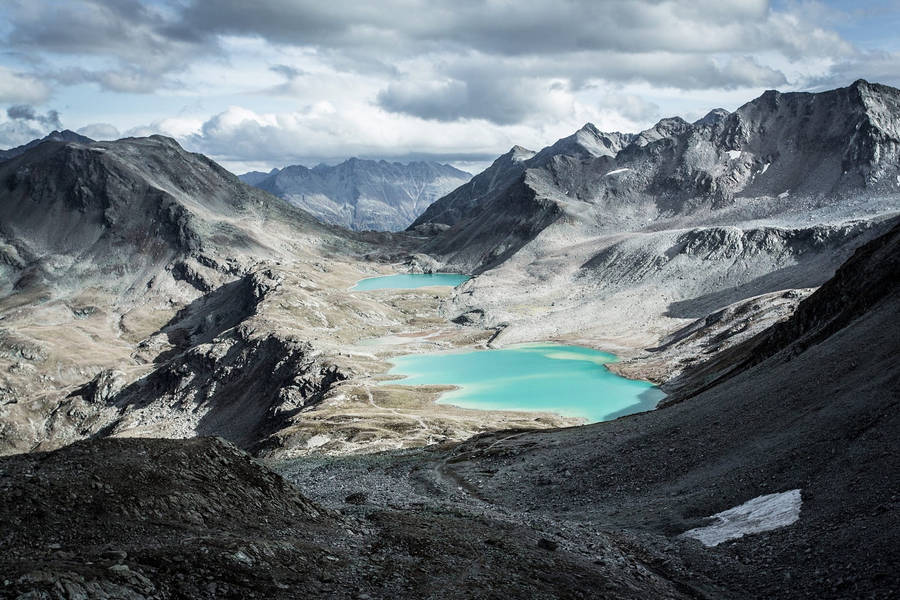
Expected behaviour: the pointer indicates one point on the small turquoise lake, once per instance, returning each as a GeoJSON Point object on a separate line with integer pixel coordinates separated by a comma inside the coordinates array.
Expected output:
{"type": "Point", "coordinates": [568, 380]}
{"type": "Point", "coordinates": [408, 281]}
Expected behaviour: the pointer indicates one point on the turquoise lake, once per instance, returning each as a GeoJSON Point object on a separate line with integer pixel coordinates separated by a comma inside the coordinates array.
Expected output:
{"type": "Point", "coordinates": [408, 281]}
{"type": "Point", "coordinates": [567, 380]}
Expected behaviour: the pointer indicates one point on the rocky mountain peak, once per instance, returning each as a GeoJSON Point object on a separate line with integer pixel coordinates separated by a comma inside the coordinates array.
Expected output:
{"type": "Point", "coordinates": [137, 207]}
{"type": "Point", "coordinates": [664, 128]}
{"type": "Point", "coordinates": [66, 135]}
{"type": "Point", "coordinates": [783, 148]}
{"type": "Point", "coordinates": [711, 118]}
{"type": "Point", "coordinates": [519, 153]}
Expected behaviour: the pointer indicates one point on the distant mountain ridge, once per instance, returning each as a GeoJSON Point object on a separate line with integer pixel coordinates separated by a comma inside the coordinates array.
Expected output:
{"type": "Point", "coordinates": [66, 135]}
{"type": "Point", "coordinates": [362, 194]}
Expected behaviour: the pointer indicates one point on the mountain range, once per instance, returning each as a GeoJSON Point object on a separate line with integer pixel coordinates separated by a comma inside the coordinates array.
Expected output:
{"type": "Point", "coordinates": [626, 233]}
{"type": "Point", "coordinates": [362, 194]}
{"type": "Point", "coordinates": [777, 153]}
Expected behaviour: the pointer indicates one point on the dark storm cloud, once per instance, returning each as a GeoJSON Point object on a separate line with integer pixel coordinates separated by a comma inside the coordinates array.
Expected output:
{"type": "Point", "coordinates": [24, 112]}
{"type": "Point", "coordinates": [130, 40]}
{"type": "Point", "coordinates": [24, 124]}
{"type": "Point", "coordinates": [500, 100]}
{"type": "Point", "coordinates": [875, 66]}
{"type": "Point", "coordinates": [287, 71]}
{"type": "Point", "coordinates": [510, 28]}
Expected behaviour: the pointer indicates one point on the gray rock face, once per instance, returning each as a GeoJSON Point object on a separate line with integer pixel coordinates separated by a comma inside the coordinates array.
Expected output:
{"type": "Point", "coordinates": [773, 154]}
{"type": "Point", "coordinates": [862, 287]}
{"type": "Point", "coordinates": [465, 200]}
{"type": "Point", "coordinates": [362, 194]}
{"type": "Point", "coordinates": [136, 207]}
{"type": "Point", "coordinates": [587, 142]}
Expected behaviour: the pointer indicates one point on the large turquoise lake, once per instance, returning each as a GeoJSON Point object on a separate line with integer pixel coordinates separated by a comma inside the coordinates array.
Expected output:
{"type": "Point", "coordinates": [567, 380]}
{"type": "Point", "coordinates": [408, 281]}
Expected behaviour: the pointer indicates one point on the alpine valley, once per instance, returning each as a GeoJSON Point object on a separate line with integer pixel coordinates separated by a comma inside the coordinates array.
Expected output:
{"type": "Point", "coordinates": [194, 403]}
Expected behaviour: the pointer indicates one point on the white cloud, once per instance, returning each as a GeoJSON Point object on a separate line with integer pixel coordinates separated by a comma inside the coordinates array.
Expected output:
{"type": "Point", "coordinates": [21, 88]}
{"type": "Point", "coordinates": [177, 127]}
{"type": "Point", "coordinates": [239, 137]}
{"type": "Point", "coordinates": [100, 131]}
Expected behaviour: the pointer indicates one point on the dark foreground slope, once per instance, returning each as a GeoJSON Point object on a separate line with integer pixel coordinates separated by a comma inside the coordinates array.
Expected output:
{"type": "Point", "coordinates": [198, 519]}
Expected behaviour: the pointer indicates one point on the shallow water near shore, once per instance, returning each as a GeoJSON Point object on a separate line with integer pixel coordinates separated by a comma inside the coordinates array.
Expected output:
{"type": "Point", "coordinates": [568, 380]}
{"type": "Point", "coordinates": [405, 281]}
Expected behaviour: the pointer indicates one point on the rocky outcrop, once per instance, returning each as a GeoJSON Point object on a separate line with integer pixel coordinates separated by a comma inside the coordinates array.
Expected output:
{"type": "Point", "coordinates": [457, 205]}
{"type": "Point", "coordinates": [362, 194]}
{"type": "Point", "coordinates": [227, 373]}
{"type": "Point", "coordinates": [102, 388]}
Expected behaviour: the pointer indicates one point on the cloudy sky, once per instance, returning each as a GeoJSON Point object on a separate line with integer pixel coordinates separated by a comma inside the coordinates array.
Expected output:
{"type": "Point", "coordinates": [274, 82]}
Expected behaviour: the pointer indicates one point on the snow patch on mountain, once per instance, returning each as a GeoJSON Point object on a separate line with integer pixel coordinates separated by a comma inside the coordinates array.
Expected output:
{"type": "Point", "coordinates": [763, 513]}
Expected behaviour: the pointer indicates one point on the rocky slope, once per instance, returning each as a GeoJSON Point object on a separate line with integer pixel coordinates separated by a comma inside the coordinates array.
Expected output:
{"type": "Point", "coordinates": [362, 194]}
{"type": "Point", "coordinates": [102, 244]}
{"type": "Point", "coordinates": [200, 519]}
